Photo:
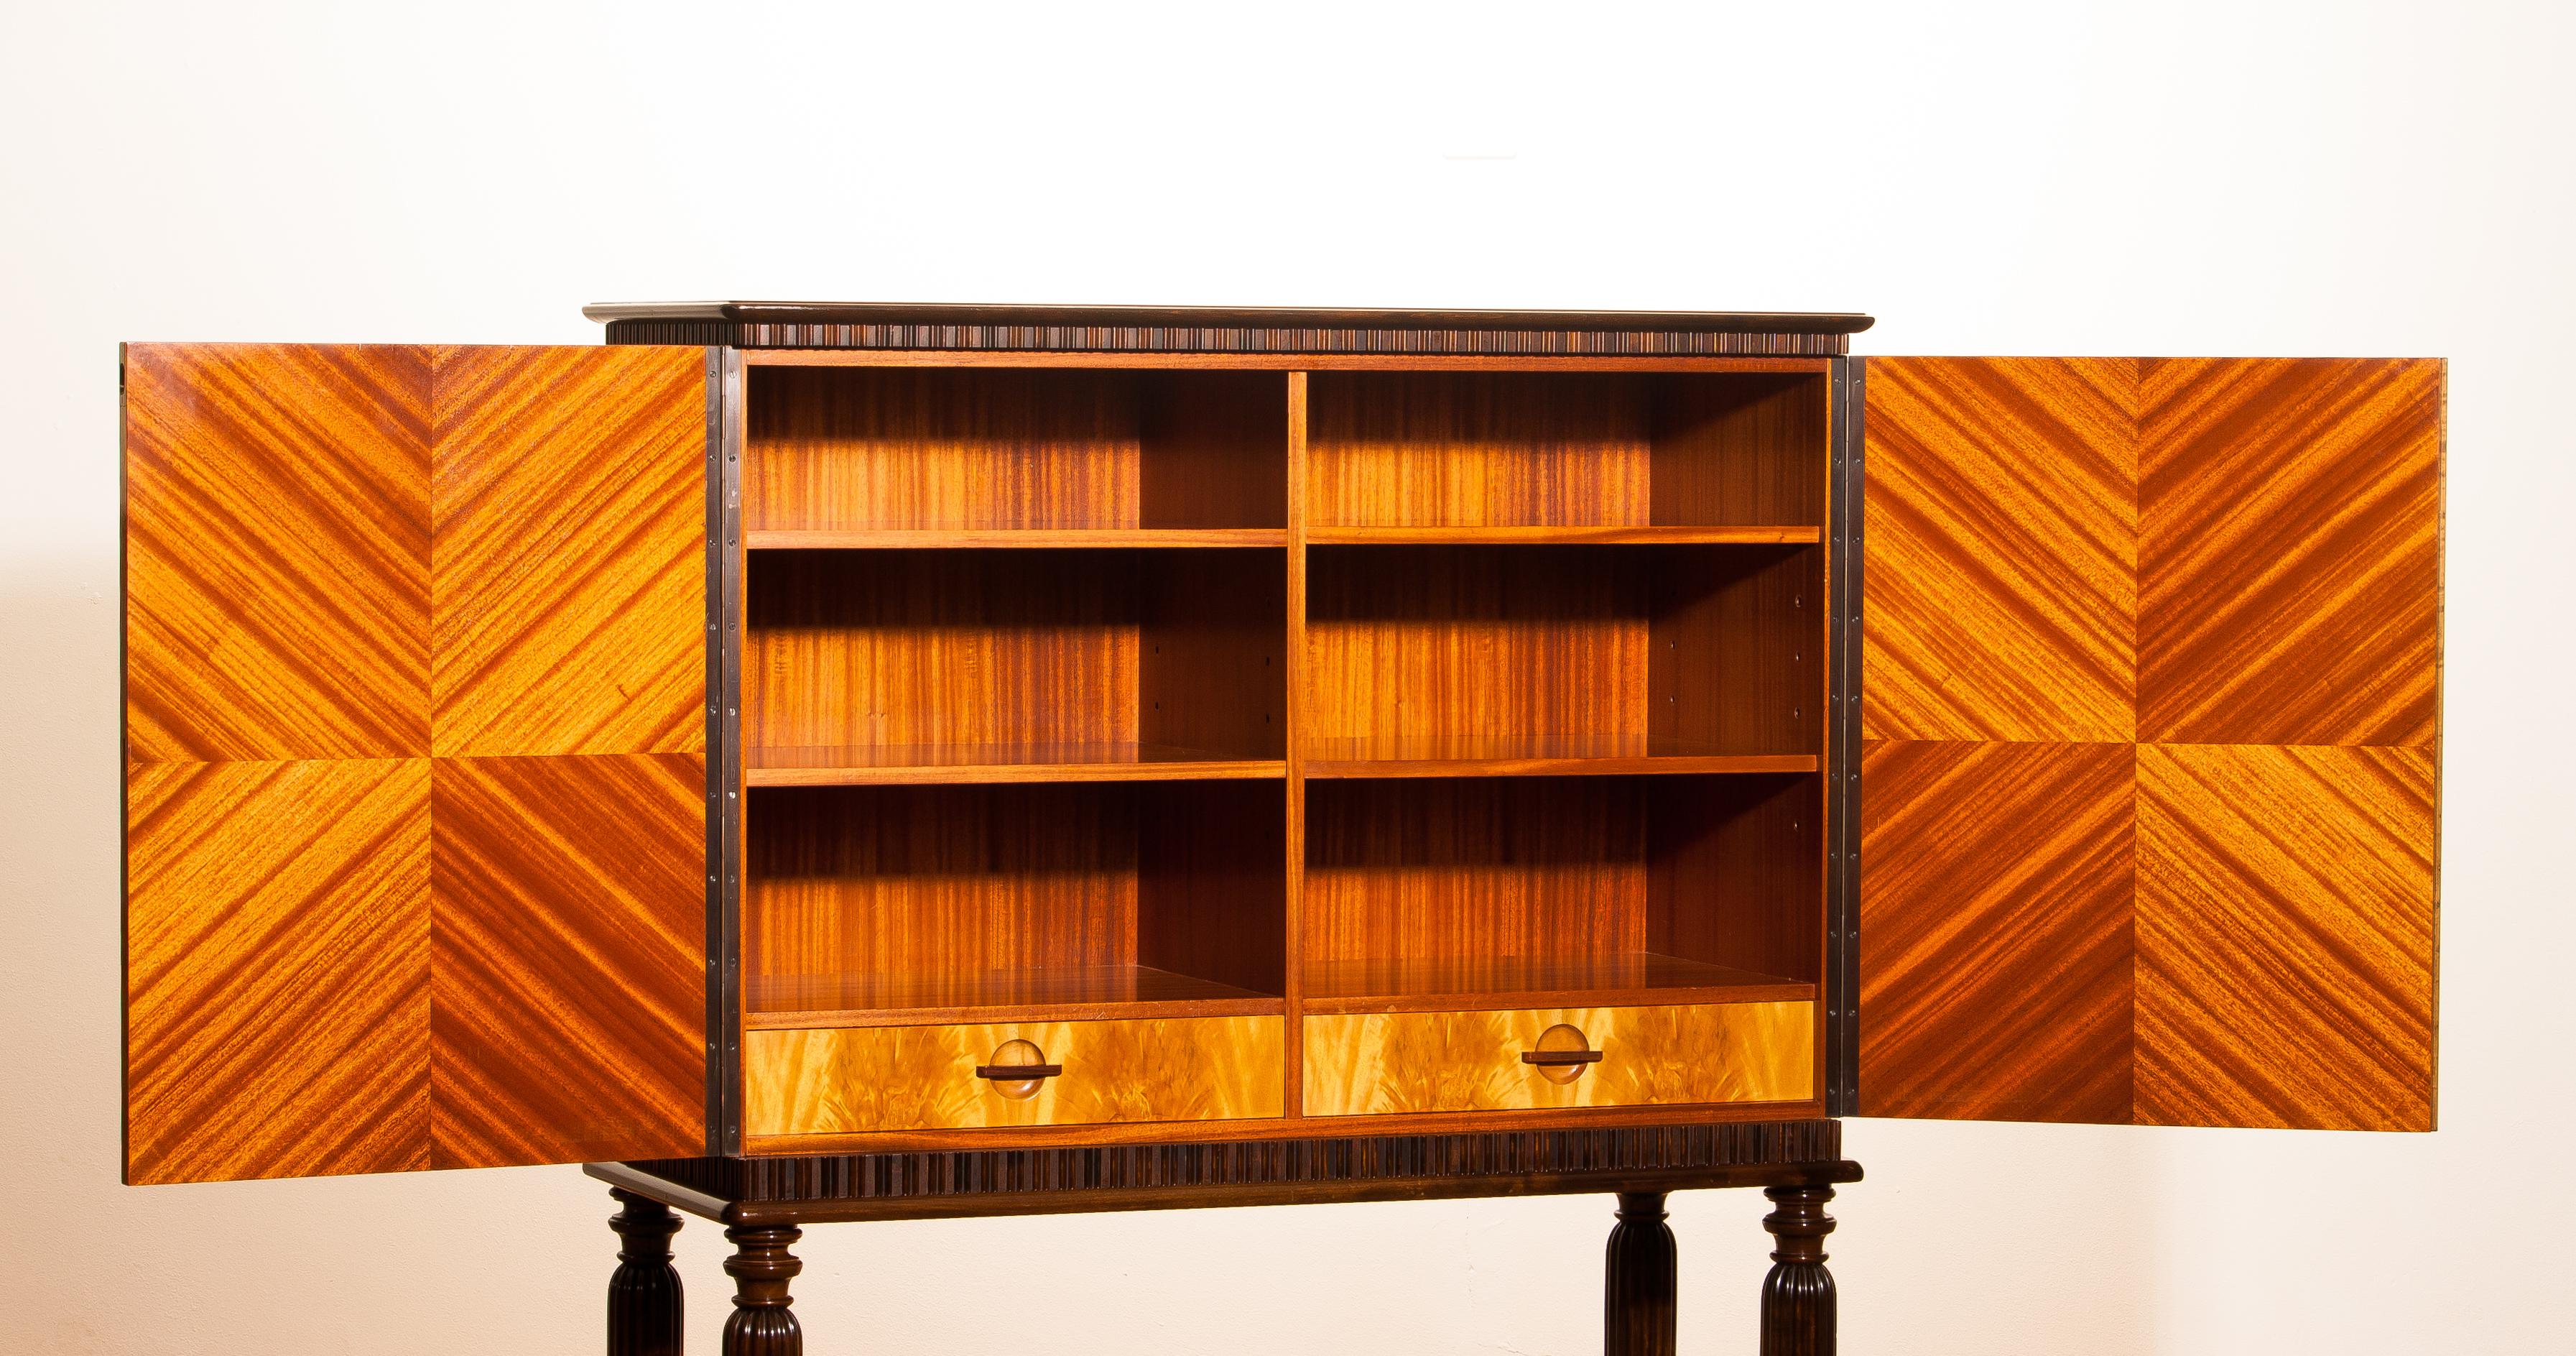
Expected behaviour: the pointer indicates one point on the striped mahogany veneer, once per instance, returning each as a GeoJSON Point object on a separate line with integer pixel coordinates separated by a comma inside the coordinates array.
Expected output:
{"type": "Point", "coordinates": [368, 922]}
{"type": "Point", "coordinates": [2152, 724]}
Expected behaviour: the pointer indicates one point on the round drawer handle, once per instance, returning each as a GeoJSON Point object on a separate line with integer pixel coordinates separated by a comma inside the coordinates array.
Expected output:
{"type": "Point", "coordinates": [1562, 1054]}
{"type": "Point", "coordinates": [1018, 1070]}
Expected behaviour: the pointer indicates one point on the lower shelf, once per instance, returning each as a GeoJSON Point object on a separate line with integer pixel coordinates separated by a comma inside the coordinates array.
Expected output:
{"type": "Point", "coordinates": [1509, 982]}
{"type": "Point", "coordinates": [1066, 994]}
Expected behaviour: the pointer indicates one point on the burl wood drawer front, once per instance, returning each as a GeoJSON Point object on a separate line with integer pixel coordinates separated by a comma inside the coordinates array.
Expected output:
{"type": "Point", "coordinates": [846, 1080]}
{"type": "Point", "coordinates": [1377, 1063]}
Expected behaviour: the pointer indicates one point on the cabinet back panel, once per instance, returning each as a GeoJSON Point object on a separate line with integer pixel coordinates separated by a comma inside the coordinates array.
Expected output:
{"type": "Point", "coordinates": [1467, 868]}
{"type": "Point", "coordinates": [1444, 643]}
{"type": "Point", "coordinates": [932, 881]}
{"type": "Point", "coordinates": [852, 448]}
{"type": "Point", "coordinates": [940, 647]}
{"type": "Point", "coordinates": [1566, 449]}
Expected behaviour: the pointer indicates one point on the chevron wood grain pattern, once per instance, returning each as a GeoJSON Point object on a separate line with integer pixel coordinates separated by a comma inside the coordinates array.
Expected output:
{"type": "Point", "coordinates": [1392, 1063]}
{"type": "Point", "coordinates": [568, 589]}
{"type": "Point", "coordinates": [567, 950]}
{"type": "Point", "coordinates": [2228, 917]}
{"type": "Point", "coordinates": [2001, 500]}
{"type": "Point", "coordinates": [848, 1079]}
{"type": "Point", "coordinates": [2286, 937]}
{"type": "Point", "coordinates": [277, 552]}
{"type": "Point", "coordinates": [277, 968]}
{"type": "Point", "coordinates": [1995, 978]}
{"type": "Point", "coordinates": [2290, 552]}
{"type": "Point", "coordinates": [340, 559]}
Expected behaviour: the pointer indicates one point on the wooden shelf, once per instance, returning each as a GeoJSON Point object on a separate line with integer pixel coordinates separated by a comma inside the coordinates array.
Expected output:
{"type": "Point", "coordinates": [1568, 536]}
{"type": "Point", "coordinates": [1630, 979]}
{"type": "Point", "coordinates": [1069, 994]}
{"type": "Point", "coordinates": [1010, 538]}
{"type": "Point", "coordinates": [952, 764]}
{"type": "Point", "coordinates": [1534, 755]}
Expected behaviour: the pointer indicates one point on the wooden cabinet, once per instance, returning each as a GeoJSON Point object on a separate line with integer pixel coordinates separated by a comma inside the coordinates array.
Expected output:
{"type": "Point", "coordinates": [784, 730]}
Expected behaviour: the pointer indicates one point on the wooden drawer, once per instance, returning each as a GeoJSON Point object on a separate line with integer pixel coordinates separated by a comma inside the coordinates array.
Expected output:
{"type": "Point", "coordinates": [1377, 1063]}
{"type": "Point", "coordinates": [842, 1080]}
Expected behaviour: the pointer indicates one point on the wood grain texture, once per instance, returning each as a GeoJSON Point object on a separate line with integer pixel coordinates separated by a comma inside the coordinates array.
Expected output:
{"type": "Point", "coordinates": [1474, 869]}
{"type": "Point", "coordinates": [1740, 449]}
{"type": "Point", "coordinates": [2260, 689]}
{"type": "Point", "coordinates": [1995, 912]}
{"type": "Point", "coordinates": [1461, 984]}
{"type": "Point", "coordinates": [2001, 499]}
{"type": "Point", "coordinates": [1435, 642]}
{"type": "Point", "coordinates": [277, 552]}
{"type": "Point", "coordinates": [2286, 937]}
{"type": "Point", "coordinates": [2290, 552]}
{"type": "Point", "coordinates": [277, 969]}
{"type": "Point", "coordinates": [1474, 449]}
{"type": "Point", "coordinates": [897, 1078]}
{"type": "Point", "coordinates": [1387, 1063]}
{"type": "Point", "coordinates": [341, 560]}
{"type": "Point", "coordinates": [568, 585]}
{"type": "Point", "coordinates": [938, 882]}
{"type": "Point", "coordinates": [567, 954]}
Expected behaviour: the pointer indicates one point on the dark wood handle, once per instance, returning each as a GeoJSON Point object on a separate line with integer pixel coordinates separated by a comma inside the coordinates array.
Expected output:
{"type": "Point", "coordinates": [1017, 1073]}
{"type": "Point", "coordinates": [1560, 1057]}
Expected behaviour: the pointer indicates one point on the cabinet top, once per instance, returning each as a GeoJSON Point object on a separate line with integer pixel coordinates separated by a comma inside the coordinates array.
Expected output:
{"type": "Point", "coordinates": [1221, 329]}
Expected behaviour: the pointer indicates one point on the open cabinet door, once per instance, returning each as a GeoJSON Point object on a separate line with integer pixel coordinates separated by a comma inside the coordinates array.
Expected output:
{"type": "Point", "coordinates": [2151, 740]}
{"type": "Point", "coordinates": [415, 733]}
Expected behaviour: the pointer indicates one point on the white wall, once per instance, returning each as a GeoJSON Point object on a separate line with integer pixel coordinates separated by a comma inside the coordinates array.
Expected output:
{"type": "Point", "coordinates": [2191, 177]}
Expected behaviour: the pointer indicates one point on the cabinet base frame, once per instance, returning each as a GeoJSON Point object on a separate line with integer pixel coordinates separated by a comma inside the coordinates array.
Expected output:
{"type": "Point", "coordinates": [767, 1201]}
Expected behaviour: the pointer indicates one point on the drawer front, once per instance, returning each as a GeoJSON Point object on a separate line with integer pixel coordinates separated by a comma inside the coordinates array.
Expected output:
{"type": "Point", "coordinates": [1379, 1063]}
{"type": "Point", "coordinates": [844, 1080]}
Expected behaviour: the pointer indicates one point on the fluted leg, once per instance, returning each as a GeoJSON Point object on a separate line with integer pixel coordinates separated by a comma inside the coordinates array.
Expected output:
{"type": "Point", "coordinates": [761, 1266]}
{"type": "Point", "coordinates": [1798, 1296]}
{"type": "Point", "coordinates": [1638, 1280]}
{"type": "Point", "coordinates": [644, 1293]}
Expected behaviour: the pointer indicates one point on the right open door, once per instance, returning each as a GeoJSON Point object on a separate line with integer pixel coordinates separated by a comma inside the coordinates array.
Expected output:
{"type": "Point", "coordinates": [2151, 740]}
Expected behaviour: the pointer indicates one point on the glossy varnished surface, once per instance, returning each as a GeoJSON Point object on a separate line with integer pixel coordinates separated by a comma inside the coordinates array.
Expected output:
{"type": "Point", "coordinates": [2149, 805]}
{"type": "Point", "coordinates": [1471, 1061]}
{"type": "Point", "coordinates": [324, 589]}
{"type": "Point", "coordinates": [843, 1080]}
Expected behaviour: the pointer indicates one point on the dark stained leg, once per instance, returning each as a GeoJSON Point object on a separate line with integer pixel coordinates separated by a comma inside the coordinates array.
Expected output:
{"type": "Point", "coordinates": [1798, 1297]}
{"type": "Point", "coordinates": [761, 1266]}
{"type": "Point", "coordinates": [1638, 1280]}
{"type": "Point", "coordinates": [644, 1294]}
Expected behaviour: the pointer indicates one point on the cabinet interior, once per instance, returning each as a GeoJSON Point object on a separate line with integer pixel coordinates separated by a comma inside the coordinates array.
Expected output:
{"type": "Point", "coordinates": [1082, 692]}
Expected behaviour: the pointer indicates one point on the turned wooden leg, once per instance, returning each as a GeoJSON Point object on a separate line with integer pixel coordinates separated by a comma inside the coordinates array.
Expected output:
{"type": "Point", "coordinates": [1798, 1296]}
{"type": "Point", "coordinates": [644, 1293]}
{"type": "Point", "coordinates": [761, 1266]}
{"type": "Point", "coordinates": [1638, 1280]}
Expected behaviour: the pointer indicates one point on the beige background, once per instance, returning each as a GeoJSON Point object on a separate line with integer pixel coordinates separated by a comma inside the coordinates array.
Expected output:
{"type": "Point", "coordinates": [2202, 177]}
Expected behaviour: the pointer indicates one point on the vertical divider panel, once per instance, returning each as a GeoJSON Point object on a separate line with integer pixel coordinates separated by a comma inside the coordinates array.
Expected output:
{"type": "Point", "coordinates": [1295, 794]}
{"type": "Point", "coordinates": [728, 806]}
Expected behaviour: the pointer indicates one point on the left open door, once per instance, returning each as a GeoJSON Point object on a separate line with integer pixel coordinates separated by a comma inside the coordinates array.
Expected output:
{"type": "Point", "coordinates": [415, 757]}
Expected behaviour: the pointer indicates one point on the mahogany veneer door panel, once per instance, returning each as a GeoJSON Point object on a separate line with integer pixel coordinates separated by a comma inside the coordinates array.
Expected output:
{"type": "Point", "coordinates": [414, 757]}
{"type": "Point", "coordinates": [2152, 740]}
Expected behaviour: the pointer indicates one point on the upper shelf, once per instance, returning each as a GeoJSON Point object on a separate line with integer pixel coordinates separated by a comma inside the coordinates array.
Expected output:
{"type": "Point", "coordinates": [1006, 538]}
{"type": "Point", "coordinates": [1574, 536]}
